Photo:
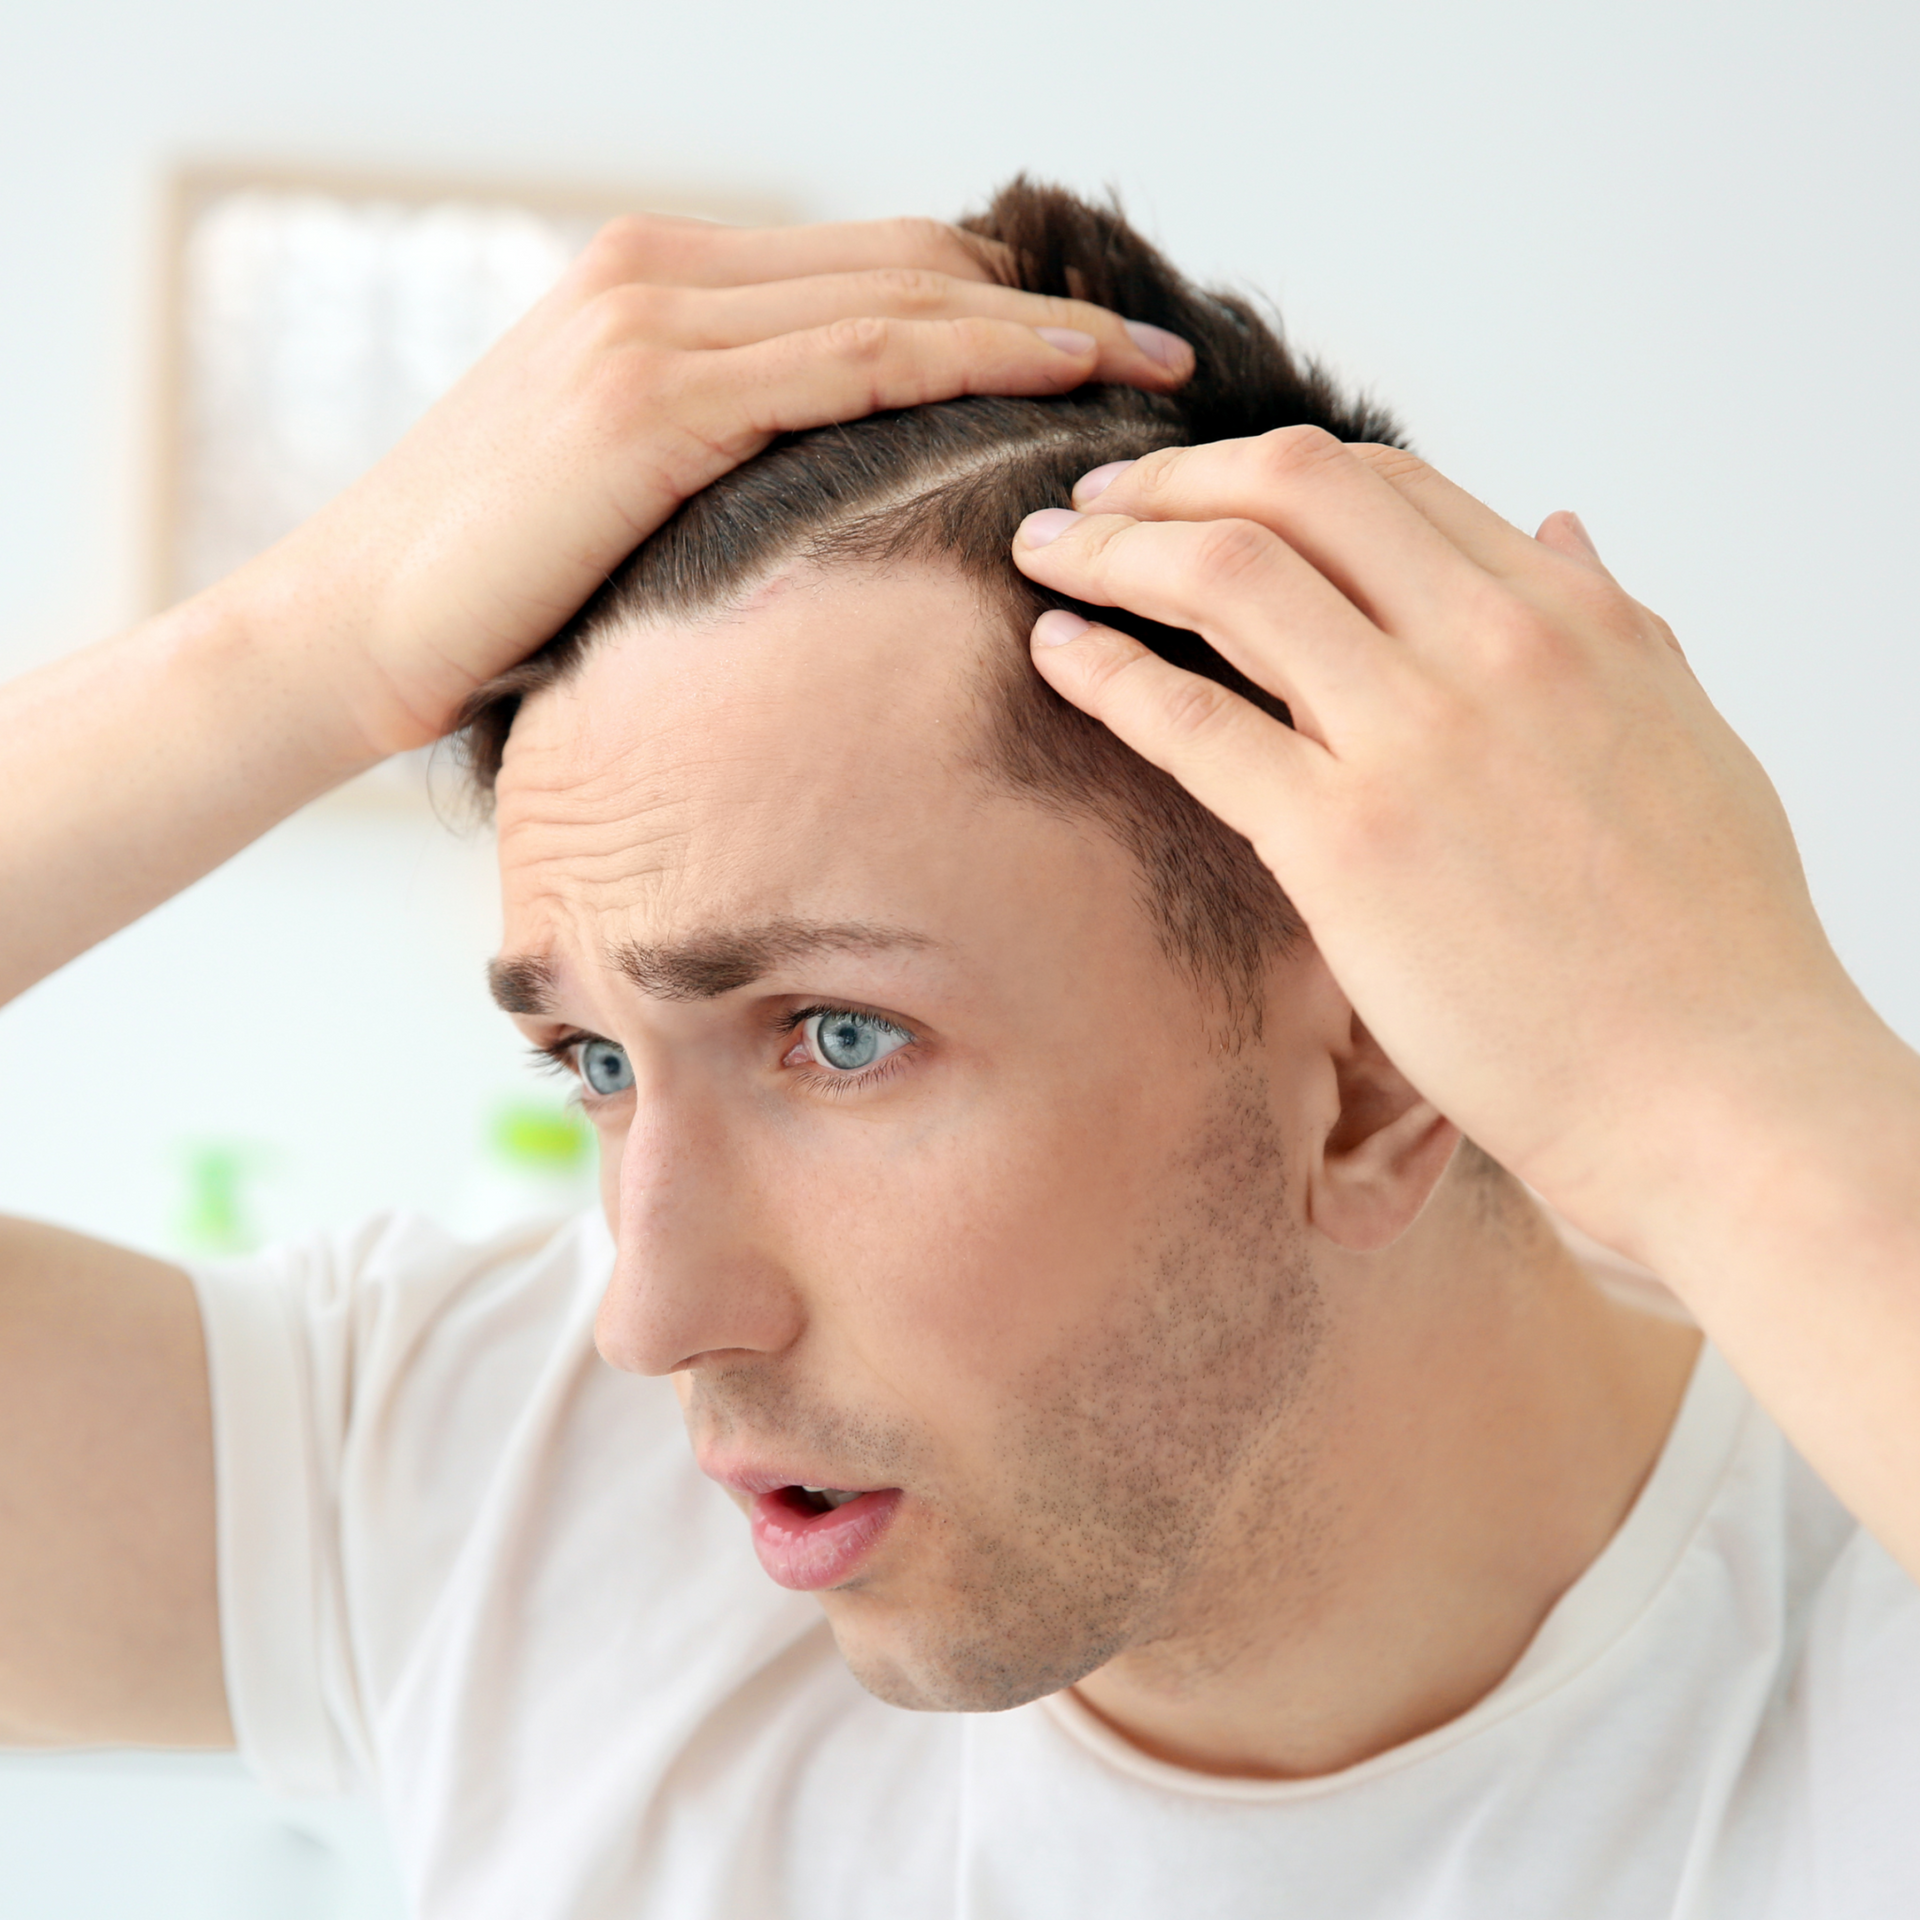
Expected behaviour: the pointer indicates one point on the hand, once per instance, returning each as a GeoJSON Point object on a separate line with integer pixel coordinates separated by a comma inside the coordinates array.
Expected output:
{"type": "Point", "coordinates": [1552, 881]}
{"type": "Point", "coordinates": [671, 351]}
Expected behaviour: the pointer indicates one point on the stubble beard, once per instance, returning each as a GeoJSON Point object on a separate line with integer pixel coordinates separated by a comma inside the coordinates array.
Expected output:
{"type": "Point", "coordinates": [1137, 1467]}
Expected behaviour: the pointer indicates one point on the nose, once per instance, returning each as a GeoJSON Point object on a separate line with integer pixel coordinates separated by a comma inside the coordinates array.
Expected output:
{"type": "Point", "coordinates": [694, 1276]}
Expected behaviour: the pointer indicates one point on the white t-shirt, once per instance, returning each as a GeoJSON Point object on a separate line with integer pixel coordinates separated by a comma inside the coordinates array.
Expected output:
{"type": "Point", "coordinates": [465, 1562]}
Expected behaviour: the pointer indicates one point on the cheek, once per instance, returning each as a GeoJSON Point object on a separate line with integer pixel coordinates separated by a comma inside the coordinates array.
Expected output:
{"type": "Point", "coordinates": [609, 1140]}
{"type": "Point", "coordinates": [983, 1251]}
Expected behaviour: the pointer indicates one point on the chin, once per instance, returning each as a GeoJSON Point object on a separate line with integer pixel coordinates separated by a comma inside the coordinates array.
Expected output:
{"type": "Point", "coordinates": [930, 1665]}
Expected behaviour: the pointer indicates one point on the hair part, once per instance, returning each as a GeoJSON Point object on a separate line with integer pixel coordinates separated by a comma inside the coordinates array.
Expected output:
{"type": "Point", "coordinates": [948, 484]}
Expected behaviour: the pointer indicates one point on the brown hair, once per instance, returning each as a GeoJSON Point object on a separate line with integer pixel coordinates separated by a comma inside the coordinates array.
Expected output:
{"type": "Point", "coordinates": [950, 483]}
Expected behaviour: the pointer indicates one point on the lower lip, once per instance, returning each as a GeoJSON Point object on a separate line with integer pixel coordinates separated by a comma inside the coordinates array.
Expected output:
{"type": "Point", "coordinates": [808, 1551]}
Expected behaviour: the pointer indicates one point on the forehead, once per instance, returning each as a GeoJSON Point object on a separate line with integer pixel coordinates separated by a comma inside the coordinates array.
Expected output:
{"type": "Point", "coordinates": [806, 756]}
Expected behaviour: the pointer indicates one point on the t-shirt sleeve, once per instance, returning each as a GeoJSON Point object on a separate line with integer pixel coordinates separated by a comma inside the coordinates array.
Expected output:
{"type": "Point", "coordinates": [313, 1354]}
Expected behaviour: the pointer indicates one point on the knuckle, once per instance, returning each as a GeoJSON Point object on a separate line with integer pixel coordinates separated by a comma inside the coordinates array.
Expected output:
{"type": "Point", "coordinates": [912, 289]}
{"type": "Point", "coordinates": [859, 340]}
{"type": "Point", "coordinates": [598, 327]}
{"type": "Point", "coordinates": [631, 311]}
{"type": "Point", "coordinates": [1154, 477]}
{"type": "Point", "coordinates": [623, 234]}
{"type": "Point", "coordinates": [979, 337]}
{"type": "Point", "coordinates": [1371, 820]}
{"type": "Point", "coordinates": [1425, 714]}
{"type": "Point", "coordinates": [1525, 646]}
{"type": "Point", "coordinates": [1232, 550]}
{"type": "Point", "coordinates": [654, 245]}
{"type": "Point", "coordinates": [1190, 708]}
{"type": "Point", "coordinates": [1288, 452]}
{"type": "Point", "coordinates": [1661, 634]}
{"type": "Point", "coordinates": [624, 242]}
{"type": "Point", "coordinates": [1390, 463]}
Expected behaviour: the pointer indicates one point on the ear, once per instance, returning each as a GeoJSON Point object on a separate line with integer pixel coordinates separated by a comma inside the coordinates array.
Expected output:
{"type": "Point", "coordinates": [1383, 1155]}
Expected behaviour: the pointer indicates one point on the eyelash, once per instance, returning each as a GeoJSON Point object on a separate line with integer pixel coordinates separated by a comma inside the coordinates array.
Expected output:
{"type": "Point", "coordinates": [833, 1083]}
{"type": "Point", "coordinates": [552, 1056]}
{"type": "Point", "coordinates": [557, 1055]}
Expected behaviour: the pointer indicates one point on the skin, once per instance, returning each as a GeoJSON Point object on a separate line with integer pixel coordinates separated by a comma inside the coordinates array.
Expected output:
{"type": "Point", "coordinates": [1648, 1024]}
{"type": "Point", "coordinates": [1708, 1090]}
{"type": "Point", "coordinates": [670, 351]}
{"type": "Point", "coordinates": [667, 353]}
{"type": "Point", "coordinates": [1209, 1387]}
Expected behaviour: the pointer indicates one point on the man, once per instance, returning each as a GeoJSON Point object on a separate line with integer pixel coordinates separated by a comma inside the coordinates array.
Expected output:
{"type": "Point", "coordinates": [1076, 1292]}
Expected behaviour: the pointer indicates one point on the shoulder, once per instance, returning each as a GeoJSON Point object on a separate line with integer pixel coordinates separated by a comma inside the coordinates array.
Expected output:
{"type": "Point", "coordinates": [409, 1264]}
{"type": "Point", "coordinates": [384, 1306]}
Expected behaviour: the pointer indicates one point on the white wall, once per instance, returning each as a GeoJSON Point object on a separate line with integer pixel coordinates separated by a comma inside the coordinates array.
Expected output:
{"type": "Point", "coordinates": [1652, 259]}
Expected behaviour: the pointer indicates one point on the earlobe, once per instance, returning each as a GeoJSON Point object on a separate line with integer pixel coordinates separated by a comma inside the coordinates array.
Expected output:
{"type": "Point", "coordinates": [1384, 1154]}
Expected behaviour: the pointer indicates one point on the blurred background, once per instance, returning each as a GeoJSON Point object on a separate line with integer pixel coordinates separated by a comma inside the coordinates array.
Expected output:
{"type": "Point", "coordinates": [1654, 262]}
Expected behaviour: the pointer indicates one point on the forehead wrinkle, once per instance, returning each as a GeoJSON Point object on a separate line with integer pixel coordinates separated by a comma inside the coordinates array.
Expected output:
{"type": "Point", "coordinates": [709, 964]}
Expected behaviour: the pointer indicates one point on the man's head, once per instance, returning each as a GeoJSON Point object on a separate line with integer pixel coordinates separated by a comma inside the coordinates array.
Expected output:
{"type": "Point", "coordinates": [948, 485]}
{"type": "Point", "coordinates": [976, 1120]}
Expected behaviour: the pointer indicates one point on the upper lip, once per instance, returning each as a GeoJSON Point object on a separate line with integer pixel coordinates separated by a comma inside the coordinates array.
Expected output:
{"type": "Point", "coordinates": [751, 1478]}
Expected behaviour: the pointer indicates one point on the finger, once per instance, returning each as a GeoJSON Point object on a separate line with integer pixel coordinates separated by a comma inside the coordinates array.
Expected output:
{"type": "Point", "coordinates": [1566, 533]}
{"type": "Point", "coordinates": [1332, 508]}
{"type": "Point", "coordinates": [668, 250]}
{"type": "Point", "coordinates": [740, 397]}
{"type": "Point", "coordinates": [1484, 536]}
{"type": "Point", "coordinates": [1244, 590]}
{"type": "Point", "coordinates": [1241, 764]}
{"type": "Point", "coordinates": [738, 316]}
{"type": "Point", "coordinates": [1481, 534]}
{"type": "Point", "coordinates": [1504, 551]}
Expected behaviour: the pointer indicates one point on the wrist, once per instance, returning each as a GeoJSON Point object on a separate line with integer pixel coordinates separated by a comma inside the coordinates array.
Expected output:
{"type": "Point", "coordinates": [259, 680]}
{"type": "Point", "coordinates": [161, 752]}
{"type": "Point", "coordinates": [1806, 1126]}
{"type": "Point", "coordinates": [284, 636]}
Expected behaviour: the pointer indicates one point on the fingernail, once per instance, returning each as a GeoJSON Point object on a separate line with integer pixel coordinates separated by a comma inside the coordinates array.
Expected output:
{"type": "Point", "coordinates": [1164, 348]}
{"type": "Point", "coordinates": [1090, 486]}
{"type": "Point", "coordinates": [1037, 529]}
{"type": "Point", "coordinates": [1068, 339]}
{"type": "Point", "coordinates": [1579, 526]}
{"type": "Point", "coordinates": [1057, 626]}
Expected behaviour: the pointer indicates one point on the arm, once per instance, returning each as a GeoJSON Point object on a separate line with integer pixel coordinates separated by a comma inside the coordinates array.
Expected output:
{"type": "Point", "coordinates": [1551, 880]}
{"type": "Point", "coordinates": [671, 351]}
{"type": "Point", "coordinates": [109, 1628]}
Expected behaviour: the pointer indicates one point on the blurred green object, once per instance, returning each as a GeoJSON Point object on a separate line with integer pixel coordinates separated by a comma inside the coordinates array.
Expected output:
{"type": "Point", "coordinates": [214, 1218]}
{"type": "Point", "coordinates": [533, 1138]}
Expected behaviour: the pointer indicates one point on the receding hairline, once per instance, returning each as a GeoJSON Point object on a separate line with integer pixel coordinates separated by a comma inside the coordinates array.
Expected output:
{"type": "Point", "coordinates": [889, 531]}
{"type": "Point", "coordinates": [1005, 743]}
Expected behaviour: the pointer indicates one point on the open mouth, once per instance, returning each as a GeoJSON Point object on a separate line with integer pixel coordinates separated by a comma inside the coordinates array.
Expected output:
{"type": "Point", "coordinates": [814, 1537]}
{"type": "Point", "coordinates": [821, 1499]}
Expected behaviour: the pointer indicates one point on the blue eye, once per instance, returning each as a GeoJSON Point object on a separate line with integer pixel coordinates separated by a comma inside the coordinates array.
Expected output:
{"type": "Point", "coordinates": [849, 1041]}
{"type": "Point", "coordinates": [604, 1067]}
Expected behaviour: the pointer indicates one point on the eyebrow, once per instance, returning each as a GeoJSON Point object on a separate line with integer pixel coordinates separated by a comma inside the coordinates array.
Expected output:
{"type": "Point", "coordinates": [705, 965]}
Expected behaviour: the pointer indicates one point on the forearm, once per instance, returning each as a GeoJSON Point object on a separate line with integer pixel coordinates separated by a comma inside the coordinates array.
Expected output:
{"type": "Point", "coordinates": [139, 764]}
{"type": "Point", "coordinates": [1556, 886]}
{"type": "Point", "coordinates": [130, 770]}
{"type": "Point", "coordinates": [1792, 1232]}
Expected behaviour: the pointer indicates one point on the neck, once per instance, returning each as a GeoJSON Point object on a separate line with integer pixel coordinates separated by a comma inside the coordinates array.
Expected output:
{"type": "Point", "coordinates": [1482, 1417]}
